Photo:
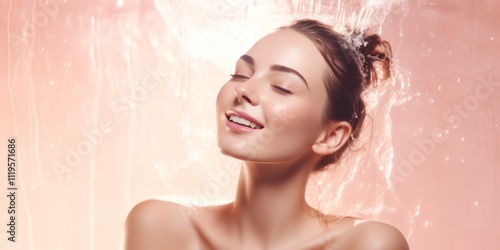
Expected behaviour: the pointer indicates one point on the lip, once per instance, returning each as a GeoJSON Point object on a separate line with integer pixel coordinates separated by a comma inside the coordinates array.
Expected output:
{"type": "Point", "coordinates": [237, 128]}
{"type": "Point", "coordinates": [245, 116]}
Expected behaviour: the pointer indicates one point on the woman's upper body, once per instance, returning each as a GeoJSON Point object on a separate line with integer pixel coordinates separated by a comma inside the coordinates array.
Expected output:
{"type": "Point", "coordinates": [291, 108]}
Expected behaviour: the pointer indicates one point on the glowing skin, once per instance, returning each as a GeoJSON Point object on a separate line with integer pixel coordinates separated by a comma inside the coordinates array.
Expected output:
{"type": "Point", "coordinates": [269, 211]}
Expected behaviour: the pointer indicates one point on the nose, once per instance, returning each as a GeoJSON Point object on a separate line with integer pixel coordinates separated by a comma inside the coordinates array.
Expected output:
{"type": "Point", "coordinates": [245, 93]}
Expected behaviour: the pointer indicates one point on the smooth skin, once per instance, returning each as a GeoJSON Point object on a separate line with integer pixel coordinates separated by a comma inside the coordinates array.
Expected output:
{"type": "Point", "coordinates": [269, 210]}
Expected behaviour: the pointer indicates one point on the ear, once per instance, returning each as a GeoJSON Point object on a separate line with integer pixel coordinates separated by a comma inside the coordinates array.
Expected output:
{"type": "Point", "coordinates": [332, 138]}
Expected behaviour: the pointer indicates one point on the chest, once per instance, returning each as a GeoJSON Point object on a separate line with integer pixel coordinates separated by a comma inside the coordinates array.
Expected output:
{"type": "Point", "coordinates": [210, 236]}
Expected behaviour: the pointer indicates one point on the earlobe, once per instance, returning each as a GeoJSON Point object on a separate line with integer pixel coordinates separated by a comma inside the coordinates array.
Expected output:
{"type": "Point", "coordinates": [332, 138]}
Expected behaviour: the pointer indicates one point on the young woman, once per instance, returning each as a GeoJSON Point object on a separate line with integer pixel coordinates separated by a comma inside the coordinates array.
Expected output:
{"type": "Point", "coordinates": [292, 107]}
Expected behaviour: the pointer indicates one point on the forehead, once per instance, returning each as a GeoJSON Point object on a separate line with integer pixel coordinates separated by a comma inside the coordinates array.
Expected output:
{"type": "Point", "coordinates": [291, 49]}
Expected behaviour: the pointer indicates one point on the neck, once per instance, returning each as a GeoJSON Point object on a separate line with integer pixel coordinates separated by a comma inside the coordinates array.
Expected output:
{"type": "Point", "coordinates": [270, 202]}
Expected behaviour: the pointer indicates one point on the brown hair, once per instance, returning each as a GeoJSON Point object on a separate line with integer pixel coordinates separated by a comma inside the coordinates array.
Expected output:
{"type": "Point", "coordinates": [351, 68]}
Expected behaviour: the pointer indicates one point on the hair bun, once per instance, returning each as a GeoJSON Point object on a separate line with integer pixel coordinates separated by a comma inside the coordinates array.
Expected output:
{"type": "Point", "coordinates": [377, 55]}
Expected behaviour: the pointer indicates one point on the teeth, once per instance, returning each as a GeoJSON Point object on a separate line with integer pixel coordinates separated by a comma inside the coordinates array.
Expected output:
{"type": "Point", "coordinates": [243, 121]}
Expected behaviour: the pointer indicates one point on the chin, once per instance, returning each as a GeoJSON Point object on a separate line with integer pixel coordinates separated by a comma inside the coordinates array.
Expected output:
{"type": "Point", "coordinates": [253, 155]}
{"type": "Point", "coordinates": [239, 150]}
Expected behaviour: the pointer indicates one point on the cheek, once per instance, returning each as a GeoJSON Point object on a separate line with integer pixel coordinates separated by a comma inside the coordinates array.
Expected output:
{"type": "Point", "coordinates": [297, 123]}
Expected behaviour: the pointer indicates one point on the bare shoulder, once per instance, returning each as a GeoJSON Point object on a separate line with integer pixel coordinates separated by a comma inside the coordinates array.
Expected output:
{"type": "Point", "coordinates": [156, 224]}
{"type": "Point", "coordinates": [375, 235]}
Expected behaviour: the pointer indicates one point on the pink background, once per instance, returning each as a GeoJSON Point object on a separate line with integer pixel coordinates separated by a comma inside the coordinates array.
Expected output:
{"type": "Point", "coordinates": [112, 103]}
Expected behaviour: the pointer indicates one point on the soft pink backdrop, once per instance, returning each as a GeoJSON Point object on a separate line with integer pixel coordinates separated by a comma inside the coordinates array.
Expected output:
{"type": "Point", "coordinates": [112, 102]}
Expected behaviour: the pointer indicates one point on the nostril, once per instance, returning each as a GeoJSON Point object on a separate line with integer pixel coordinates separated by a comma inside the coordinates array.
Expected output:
{"type": "Point", "coordinates": [246, 99]}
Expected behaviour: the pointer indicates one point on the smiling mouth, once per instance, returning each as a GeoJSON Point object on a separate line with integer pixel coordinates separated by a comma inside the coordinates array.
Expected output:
{"type": "Point", "coordinates": [242, 121]}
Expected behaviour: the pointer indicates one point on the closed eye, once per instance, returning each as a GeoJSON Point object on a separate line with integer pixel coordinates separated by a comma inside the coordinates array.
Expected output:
{"type": "Point", "coordinates": [282, 89]}
{"type": "Point", "coordinates": [238, 76]}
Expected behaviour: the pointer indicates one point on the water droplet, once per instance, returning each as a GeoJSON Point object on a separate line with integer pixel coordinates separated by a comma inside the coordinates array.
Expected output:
{"type": "Point", "coordinates": [458, 80]}
{"type": "Point", "coordinates": [417, 212]}
{"type": "Point", "coordinates": [51, 82]}
{"type": "Point", "coordinates": [476, 203]}
{"type": "Point", "coordinates": [427, 223]}
{"type": "Point", "coordinates": [439, 87]}
{"type": "Point", "coordinates": [492, 39]}
{"type": "Point", "coordinates": [463, 160]}
{"type": "Point", "coordinates": [446, 158]}
{"type": "Point", "coordinates": [462, 139]}
{"type": "Point", "coordinates": [431, 101]}
{"type": "Point", "coordinates": [107, 130]}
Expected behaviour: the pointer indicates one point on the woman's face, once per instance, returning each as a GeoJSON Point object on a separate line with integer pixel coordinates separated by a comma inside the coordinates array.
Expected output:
{"type": "Point", "coordinates": [279, 84]}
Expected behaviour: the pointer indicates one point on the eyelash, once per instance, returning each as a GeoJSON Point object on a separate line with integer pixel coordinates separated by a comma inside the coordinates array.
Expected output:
{"type": "Point", "coordinates": [286, 91]}
{"type": "Point", "coordinates": [282, 89]}
{"type": "Point", "coordinates": [238, 76]}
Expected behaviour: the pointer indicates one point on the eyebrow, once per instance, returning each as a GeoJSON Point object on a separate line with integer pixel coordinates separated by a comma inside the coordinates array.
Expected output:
{"type": "Point", "coordinates": [275, 67]}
